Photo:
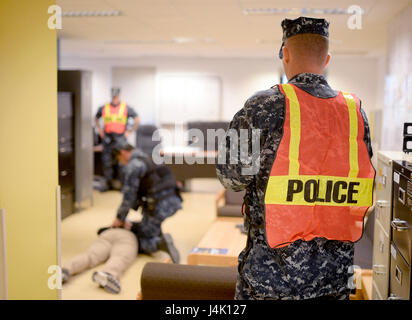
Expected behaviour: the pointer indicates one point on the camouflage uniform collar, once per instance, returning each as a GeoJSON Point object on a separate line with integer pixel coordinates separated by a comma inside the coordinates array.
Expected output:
{"type": "Point", "coordinates": [314, 84]}
{"type": "Point", "coordinates": [138, 153]}
{"type": "Point", "coordinates": [308, 78]}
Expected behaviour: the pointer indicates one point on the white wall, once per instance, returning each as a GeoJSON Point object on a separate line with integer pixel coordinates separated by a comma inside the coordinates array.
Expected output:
{"type": "Point", "coordinates": [240, 77]}
{"type": "Point", "coordinates": [398, 89]}
{"type": "Point", "coordinates": [364, 77]}
{"type": "Point", "coordinates": [358, 75]}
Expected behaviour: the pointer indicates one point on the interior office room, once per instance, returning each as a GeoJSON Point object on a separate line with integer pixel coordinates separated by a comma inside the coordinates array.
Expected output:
{"type": "Point", "coordinates": [86, 83]}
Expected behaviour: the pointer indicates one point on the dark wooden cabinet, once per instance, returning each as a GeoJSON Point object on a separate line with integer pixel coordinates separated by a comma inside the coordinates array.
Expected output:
{"type": "Point", "coordinates": [66, 152]}
{"type": "Point", "coordinates": [76, 136]}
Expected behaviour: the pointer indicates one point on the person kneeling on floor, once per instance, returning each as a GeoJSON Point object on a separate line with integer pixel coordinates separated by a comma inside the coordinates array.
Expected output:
{"type": "Point", "coordinates": [152, 187]}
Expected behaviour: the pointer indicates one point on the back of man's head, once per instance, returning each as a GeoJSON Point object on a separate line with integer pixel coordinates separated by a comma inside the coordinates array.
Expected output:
{"type": "Point", "coordinates": [308, 49]}
{"type": "Point", "coordinates": [122, 146]}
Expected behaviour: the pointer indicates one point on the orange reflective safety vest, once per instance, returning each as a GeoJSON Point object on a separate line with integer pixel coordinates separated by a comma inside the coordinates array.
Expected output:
{"type": "Point", "coordinates": [321, 181]}
{"type": "Point", "coordinates": [115, 118]}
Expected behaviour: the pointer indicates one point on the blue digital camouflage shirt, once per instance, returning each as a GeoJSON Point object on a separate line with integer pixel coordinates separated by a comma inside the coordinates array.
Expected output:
{"type": "Point", "coordinates": [134, 172]}
{"type": "Point", "coordinates": [301, 270]}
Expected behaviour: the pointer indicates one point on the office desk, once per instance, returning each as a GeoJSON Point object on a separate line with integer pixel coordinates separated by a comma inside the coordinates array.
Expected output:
{"type": "Point", "coordinates": [188, 163]}
{"type": "Point", "coordinates": [193, 169]}
{"type": "Point", "coordinates": [221, 245]}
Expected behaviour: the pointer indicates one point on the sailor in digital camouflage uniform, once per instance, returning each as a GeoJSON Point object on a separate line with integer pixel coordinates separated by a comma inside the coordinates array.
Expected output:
{"type": "Point", "coordinates": [113, 131]}
{"type": "Point", "coordinates": [152, 187]}
{"type": "Point", "coordinates": [319, 268]}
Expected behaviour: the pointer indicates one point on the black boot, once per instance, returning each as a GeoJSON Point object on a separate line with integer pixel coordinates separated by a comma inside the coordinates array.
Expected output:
{"type": "Point", "coordinates": [106, 186]}
{"type": "Point", "coordinates": [166, 244]}
{"type": "Point", "coordinates": [65, 275]}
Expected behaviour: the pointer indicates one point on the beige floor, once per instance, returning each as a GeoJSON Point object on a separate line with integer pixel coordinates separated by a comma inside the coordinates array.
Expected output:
{"type": "Point", "coordinates": [187, 228]}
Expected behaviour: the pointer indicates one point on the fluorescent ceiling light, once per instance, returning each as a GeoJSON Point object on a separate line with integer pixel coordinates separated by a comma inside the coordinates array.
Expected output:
{"type": "Point", "coordinates": [92, 13]}
{"type": "Point", "coordinates": [182, 40]}
{"type": "Point", "coordinates": [138, 41]}
{"type": "Point", "coordinates": [176, 40]}
{"type": "Point", "coordinates": [297, 11]}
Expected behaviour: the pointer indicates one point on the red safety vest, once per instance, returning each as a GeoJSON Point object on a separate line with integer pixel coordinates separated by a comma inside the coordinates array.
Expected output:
{"type": "Point", "coordinates": [321, 181]}
{"type": "Point", "coordinates": [115, 118]}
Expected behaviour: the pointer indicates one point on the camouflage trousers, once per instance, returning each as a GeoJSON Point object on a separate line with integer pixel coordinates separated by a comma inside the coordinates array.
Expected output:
{"type": "Point", "coordinates": [149, 229]}
{"type": "Point", "coordinates": [108, 161]}
{"type": "Point", "coordinates": [243, 292]}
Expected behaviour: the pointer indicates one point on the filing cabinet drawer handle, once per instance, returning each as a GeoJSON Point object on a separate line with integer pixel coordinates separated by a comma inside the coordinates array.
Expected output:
{"type": "Point", "coordinates": [381, 246]}
{"type": "Point", "coordinates": [378, 266]}
{"type": "Point", "coordinates": [401, 195]}
{"type": "Point", "coordinates": [382, 204]}
{"type": "Point", "coordinates": [398, 275]}
{"type": "Point", "coordinates": [63, 173]}
{"type": "Point", "coordinates": [400, 225]}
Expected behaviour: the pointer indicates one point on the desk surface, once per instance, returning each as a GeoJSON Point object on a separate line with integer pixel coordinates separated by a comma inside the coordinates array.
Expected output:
{"type": "Point", "coordinates": [188, 153]}
{"type": "Point", "coordinates": [221, 245]}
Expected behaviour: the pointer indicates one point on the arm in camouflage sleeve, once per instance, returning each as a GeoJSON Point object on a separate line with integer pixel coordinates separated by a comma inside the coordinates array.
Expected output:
{"type": "Point", "coordinates": [230, 174]}
{"type": "Point", "coordinates": [134, 171]}
{"type": "Point", "coordinates": [367, 136]}
{"type": "Point", "coordinates": [262, 114]}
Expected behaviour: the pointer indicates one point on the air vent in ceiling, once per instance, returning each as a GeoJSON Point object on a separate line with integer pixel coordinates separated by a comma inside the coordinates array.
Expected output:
{"type": "Point", "coordinates": [176, 40]}
{"type": "Point", "coordinates": [77, 14]}
{"type": "Point", "coordinates": [296, 11]}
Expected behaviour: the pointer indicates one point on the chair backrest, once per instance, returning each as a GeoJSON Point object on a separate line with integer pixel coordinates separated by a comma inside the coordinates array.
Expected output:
{"type": "Point", "coordinates": [203, 126]}
{"type": "Point", "coordinates": [234, 198]}
{"type": "Point", "coordinates": [164, 281]}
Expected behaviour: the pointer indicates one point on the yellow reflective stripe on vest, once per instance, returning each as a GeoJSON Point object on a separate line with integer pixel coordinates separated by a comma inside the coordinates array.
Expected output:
{"type": "Point", "coordinates": [119, 117]}
{"type": "Point", "coordinates": [353, 135]}
{"type": "Point", "coordinates": [319, 190]}
{"type": "Point", "coordinates": [294, 112]}
{"type": "Point", "coordinates": [107, 116]}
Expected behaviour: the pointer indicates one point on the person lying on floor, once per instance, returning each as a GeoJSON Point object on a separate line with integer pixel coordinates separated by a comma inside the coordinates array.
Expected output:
{"type": "Point", "coordinates": [118, 248]}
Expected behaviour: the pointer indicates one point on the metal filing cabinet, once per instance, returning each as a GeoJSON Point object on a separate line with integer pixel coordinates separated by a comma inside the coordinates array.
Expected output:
{"type": "Point", "coordinates": [66, 152]}
{"type": "Point", "coordinates": [401, 248]}
{"type": "Point", "coordinates": [382, 231]}
{"type": "Point", "coordinates": [79, 83]}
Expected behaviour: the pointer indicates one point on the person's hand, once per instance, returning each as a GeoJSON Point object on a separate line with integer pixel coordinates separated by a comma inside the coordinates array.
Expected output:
{"type": "Point", "coordinates": [117, 223]}
{"type": "Point", "coordinates": [127, 225]}
{"type": "Point", "coordinates": [101, 133]}
{"type": "Point", "coordinates": [127, 133]}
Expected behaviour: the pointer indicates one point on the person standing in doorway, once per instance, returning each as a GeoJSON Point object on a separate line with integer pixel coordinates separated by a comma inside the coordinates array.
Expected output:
{"type": "Point", "coordinates": [115, 118]}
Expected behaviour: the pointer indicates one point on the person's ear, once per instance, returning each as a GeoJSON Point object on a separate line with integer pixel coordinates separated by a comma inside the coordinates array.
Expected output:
{"type": "Point", "coordinates": [327, 61]}
{"type": "Point", "coordinates": [286, 55]}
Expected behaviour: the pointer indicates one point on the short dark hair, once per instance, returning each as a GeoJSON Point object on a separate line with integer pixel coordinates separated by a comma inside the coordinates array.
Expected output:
{"type": "Point", "coordinates": [121, 146]}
